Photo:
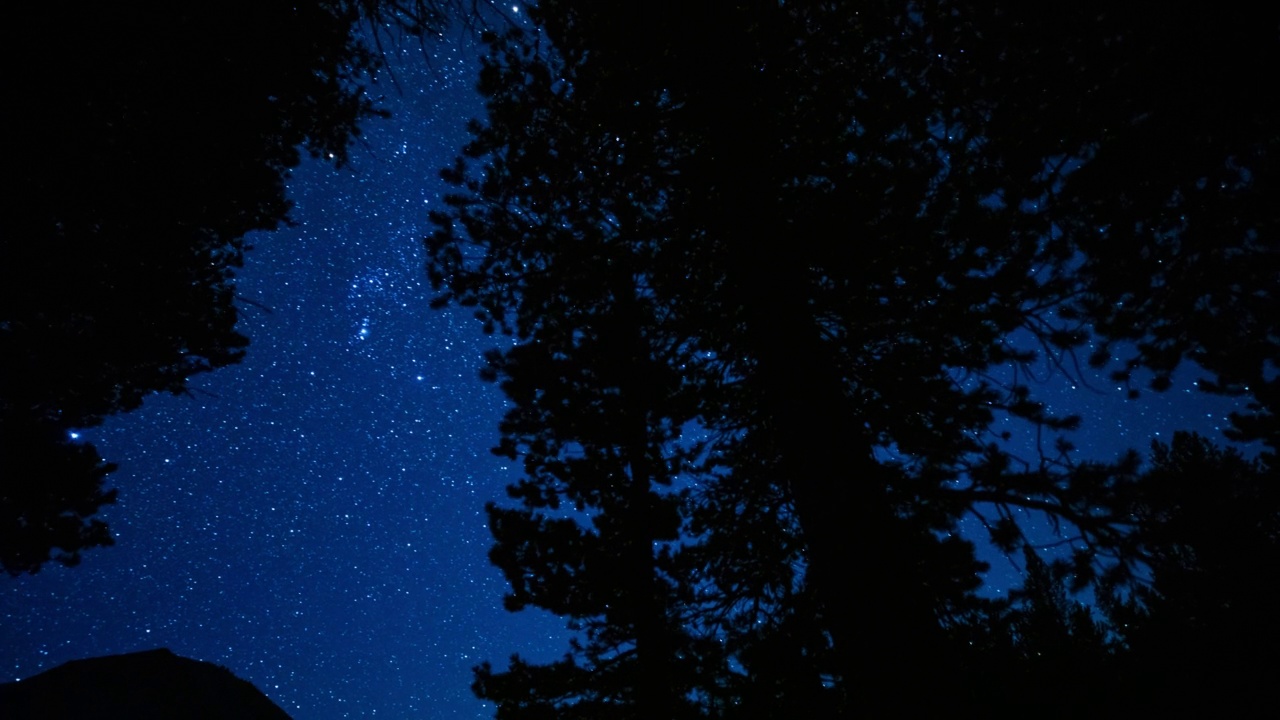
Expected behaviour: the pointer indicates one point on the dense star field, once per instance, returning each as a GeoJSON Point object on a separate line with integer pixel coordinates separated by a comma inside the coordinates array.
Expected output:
{"type": "Point", "coordinates": [312, 517]}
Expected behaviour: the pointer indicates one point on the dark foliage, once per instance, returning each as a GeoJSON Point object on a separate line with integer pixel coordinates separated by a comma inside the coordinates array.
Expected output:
{"type": "Point", "coordinates": [147, 143]}
{"type": "Point", "coordinates": [1204, 635]}
{"type": "Point", "coordinates": [1052, 656]}
{"type": "Point", "coordinates": [780, 257]}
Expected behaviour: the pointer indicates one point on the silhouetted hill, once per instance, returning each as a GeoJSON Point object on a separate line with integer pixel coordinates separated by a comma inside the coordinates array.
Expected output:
{"type": "Point", "coordinates": [148, 685]}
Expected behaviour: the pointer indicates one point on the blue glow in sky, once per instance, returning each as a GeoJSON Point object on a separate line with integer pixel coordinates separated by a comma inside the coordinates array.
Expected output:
{"type": "Point", "coordinates": [312, 518]}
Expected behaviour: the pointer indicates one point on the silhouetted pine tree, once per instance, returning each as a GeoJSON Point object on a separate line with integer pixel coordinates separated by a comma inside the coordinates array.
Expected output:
{"type": "Point", "coordinates": [1203, 634]}
{"type": "Point", "coordinates": [838, 216]}
{"type": "Point", "coordinates": [151, 140]}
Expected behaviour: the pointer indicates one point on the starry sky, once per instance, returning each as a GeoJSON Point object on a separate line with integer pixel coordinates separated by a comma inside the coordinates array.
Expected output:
{"type": "Point", "coordinates": [312, 518]}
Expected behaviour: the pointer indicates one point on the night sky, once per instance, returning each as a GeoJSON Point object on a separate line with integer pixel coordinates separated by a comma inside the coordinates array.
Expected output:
{"type": "Point", "coordinates": [312, 518]}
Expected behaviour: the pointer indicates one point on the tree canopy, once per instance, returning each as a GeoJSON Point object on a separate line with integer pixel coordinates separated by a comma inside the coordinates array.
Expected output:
{"type": "Point", "coordinates": [764, 265]}
{"type": "Point", "coordinates": [147, 143]}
